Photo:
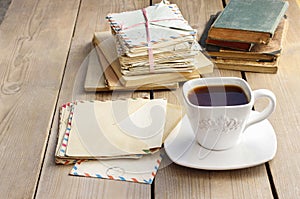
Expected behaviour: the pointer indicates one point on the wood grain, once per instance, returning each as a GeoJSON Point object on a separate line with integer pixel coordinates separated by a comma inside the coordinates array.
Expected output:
{"type": "Point", "coordinates": [285, 168]}
{"type": "Point", "coordinates": [55, 182]}
{"type": "Point", "coordinates": [173, 181]}
{"type": "Point", "coordinates": [34, 41]}
{"type": "Point", "coordinates": [43, 49]}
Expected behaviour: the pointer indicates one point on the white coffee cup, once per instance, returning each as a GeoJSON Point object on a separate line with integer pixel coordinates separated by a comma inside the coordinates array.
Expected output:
{"type": "Point", "coordinates": [220, 127]}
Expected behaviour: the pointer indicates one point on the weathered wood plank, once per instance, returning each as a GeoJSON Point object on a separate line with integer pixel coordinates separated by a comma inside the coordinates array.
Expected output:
{"type": "Point", "coordinates": [173, 181]}
{"type": "Point", "coordinates": [34, 41]}
{"type": "Point", "coordinates": [55, 182]}
{"type": "Point", "coordinates": [285, 168]}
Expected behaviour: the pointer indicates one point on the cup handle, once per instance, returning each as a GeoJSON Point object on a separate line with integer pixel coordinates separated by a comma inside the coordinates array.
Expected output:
{"type": "Point", "coordinates": [267, 111]}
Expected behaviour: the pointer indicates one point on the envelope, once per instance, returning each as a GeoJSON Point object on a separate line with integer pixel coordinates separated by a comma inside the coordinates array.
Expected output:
{"type": "Point", "coordinates": [165, 23]}
{"type": "Point", "coordinates": [141, 170]}
{"type": "Point", "coordinates": [63, 135]}
{"type": "Point", "coordinates": [111, 128]}
{"type": "Point", "coordinates": [65, 119]}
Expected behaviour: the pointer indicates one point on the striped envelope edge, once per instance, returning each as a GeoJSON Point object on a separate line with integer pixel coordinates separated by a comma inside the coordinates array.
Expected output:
{"type": "Point", "coordinates": [65, 118]}
{"type": "Point", "coordinates": [141, 170]}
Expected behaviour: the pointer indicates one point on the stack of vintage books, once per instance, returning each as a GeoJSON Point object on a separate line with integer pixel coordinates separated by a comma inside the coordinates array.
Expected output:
{"type": "Point", "coordinates": [247, 35]}
{"type": "Point", "coordinates": [151, 48]}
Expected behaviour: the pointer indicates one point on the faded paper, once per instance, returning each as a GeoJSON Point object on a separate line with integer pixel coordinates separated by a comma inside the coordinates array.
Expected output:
{"type": "Point", "coordinates": [141, 170]}
{"type": "Point", "coordinates": [95, 129]}
{"type": "Point", "coordinates": [165, 23]}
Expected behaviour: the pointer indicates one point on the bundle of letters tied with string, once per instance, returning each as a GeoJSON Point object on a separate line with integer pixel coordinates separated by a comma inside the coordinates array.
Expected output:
{"type": "Point", "coordinates": [154, 45]}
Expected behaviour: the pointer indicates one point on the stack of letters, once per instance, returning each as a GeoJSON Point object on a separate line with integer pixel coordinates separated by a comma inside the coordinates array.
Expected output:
{"type": "Point", "coordinates": [117, 139]}
{"type": "Point", "coordinates": [154, 45]}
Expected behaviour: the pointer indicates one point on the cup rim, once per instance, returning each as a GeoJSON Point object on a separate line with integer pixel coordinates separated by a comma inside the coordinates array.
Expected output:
{"type": "Point", "coordinates": [248, 92]}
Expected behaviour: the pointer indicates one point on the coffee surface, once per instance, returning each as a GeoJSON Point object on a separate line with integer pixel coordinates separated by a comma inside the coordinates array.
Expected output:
{"type": "Point", "coordinates": [218, 95]}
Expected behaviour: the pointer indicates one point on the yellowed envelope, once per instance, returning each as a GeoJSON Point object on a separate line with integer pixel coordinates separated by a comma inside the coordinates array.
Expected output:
{"type": "Point", "coordinates": [113, 128]}
{"type": "Point", "coordinates": [65, 118]}
{"type": "Point", "coordinates": [141, 170]}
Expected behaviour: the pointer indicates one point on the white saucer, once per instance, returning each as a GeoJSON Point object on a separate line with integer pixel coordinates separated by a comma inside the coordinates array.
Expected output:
{"type": "Point", "coordinates": [258, 144]}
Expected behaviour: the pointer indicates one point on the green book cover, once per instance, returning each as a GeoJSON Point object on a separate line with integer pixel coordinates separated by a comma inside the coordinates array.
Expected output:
{"type": "Point", "coordinates": [252, 15]}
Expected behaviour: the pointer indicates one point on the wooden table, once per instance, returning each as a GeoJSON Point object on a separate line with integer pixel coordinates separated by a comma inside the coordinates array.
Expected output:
{"type": "Point", "coordinates": [43, 45]}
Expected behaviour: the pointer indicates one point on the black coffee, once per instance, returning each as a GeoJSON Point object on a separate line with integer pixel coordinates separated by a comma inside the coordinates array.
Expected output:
{"type": "Point", "coordinates": [219, 95]}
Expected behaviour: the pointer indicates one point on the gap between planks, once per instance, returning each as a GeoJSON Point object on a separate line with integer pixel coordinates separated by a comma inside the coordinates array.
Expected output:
{"type": "Point", "coordinates": [56, 105]}
{"type": "Point", "coordinates": [267, 165]}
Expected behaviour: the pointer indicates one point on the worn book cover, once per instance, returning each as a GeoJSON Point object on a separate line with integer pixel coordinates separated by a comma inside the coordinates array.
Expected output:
{"type": "Point", "coordinates": [259, 52]}
{"type": "Point", "coordinates": [253, 21]}
{"type": "Point", "coordinates": [249, 66]}
{"type": "Point", "coordinates": [229, 44]}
